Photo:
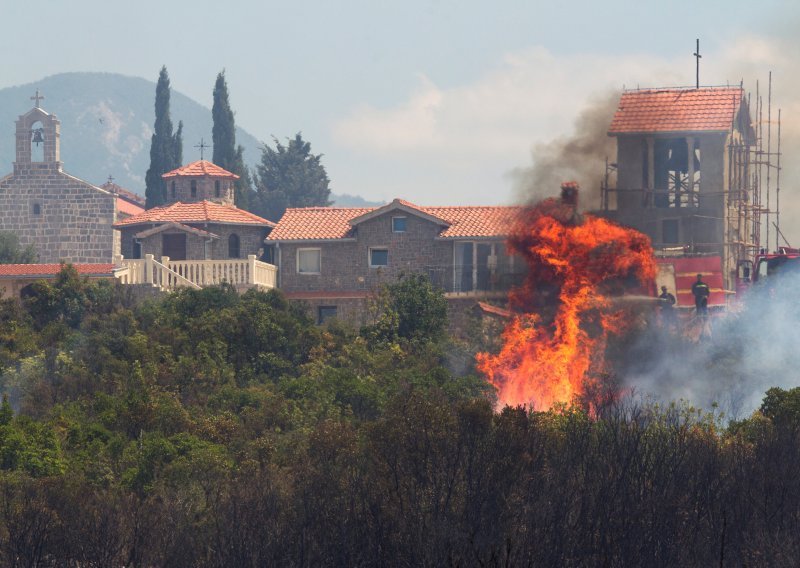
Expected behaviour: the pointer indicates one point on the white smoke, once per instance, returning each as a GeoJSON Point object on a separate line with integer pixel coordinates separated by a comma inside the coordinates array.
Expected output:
{"type": "Point", "coordinates": [746, 354]}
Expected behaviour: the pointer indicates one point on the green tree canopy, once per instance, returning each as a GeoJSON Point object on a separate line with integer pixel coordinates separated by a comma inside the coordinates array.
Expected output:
{"type": "Point", "coordinates": [166, 147]}
{"type": "Point", "coordinates": [11, 252]}
{"type": "Point", "coordinates": [290, 176]}
{"type": "Point", "coordinates": [410, 309]}
{"type": "Point", "coordinates": [226, 153]}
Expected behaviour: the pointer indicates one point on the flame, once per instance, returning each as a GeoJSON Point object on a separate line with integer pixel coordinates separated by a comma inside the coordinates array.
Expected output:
{"type": "Point", "coordinates": [553, 350]}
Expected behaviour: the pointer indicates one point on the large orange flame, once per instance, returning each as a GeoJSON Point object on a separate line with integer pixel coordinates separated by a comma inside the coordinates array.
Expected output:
{"type": "Point", "coordinates": [575, 266]}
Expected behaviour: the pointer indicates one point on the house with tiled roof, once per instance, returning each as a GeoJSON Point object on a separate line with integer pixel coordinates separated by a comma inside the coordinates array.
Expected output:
{"type": "Point", "coordinates": [335, 258]}
{"type": "Point", "coordinates": [199, 222]}
{"type": "Point", "coordinates": [682, 171]}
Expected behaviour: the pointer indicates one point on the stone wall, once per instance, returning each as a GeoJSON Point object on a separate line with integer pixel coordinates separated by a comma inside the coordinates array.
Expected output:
{"type": "Point", "coordinates": [251, 241]}
{"type": "Point", "coordinates": [63, 217]}
{"type": "Point", "coordinates": [345, 263]}
{"type": "Point", "coordinates": [180, 189]}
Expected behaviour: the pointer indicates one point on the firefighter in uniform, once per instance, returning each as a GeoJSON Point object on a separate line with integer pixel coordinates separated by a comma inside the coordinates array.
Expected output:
{"type": "Point", "coordinates": [667, 308]}
{"type": "Point", "coordinates": [701, 291]}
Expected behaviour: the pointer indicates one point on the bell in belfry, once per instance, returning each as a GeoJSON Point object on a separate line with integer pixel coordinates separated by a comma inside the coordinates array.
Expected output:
{"type": "Point", "coordinates": [38, 137]}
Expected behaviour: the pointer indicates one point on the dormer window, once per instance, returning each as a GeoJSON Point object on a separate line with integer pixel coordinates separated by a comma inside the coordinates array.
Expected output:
{"type": "Point", "coordinates": [194, 188]}
{"type": "Point", "coordinates": [398, 224]}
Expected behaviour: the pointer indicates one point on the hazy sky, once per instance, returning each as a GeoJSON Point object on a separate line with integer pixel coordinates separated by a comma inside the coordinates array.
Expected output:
{"type": "Point", "coordinates": [432, 101]}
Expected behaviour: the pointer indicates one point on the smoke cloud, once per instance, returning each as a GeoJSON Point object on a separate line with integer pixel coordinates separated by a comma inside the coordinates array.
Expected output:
{"type": "Point", "coordinates": [747, 353]}
{"type": "Point", "coordinates": [579, 157]}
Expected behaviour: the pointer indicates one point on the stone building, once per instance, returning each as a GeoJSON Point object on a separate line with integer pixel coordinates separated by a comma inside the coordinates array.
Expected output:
{"type": "Point", "coordinates": [63, 217]}
{"type": "Point", "coordinates": [335, 258]}
{"type": "Point", "coordinates": [200, 221]}
{"type": "Point", "coordinates": [682, 171]}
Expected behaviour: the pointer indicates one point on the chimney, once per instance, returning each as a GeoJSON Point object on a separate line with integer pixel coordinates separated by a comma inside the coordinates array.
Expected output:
{"type": "Point", "coordinates": [569, 193]}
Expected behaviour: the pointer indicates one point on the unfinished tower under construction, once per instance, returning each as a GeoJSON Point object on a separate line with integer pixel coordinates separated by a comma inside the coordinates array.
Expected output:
{"type": "Point", "coordinates": [689, 173]}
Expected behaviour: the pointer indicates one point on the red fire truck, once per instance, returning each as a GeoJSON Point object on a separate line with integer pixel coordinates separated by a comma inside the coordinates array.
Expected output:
{"type": "Point", "coordinates": [765, 266]}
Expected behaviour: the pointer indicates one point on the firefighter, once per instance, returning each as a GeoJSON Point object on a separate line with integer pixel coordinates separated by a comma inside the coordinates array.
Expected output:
{"type": "Point", "coordinates": [701, 291]}
{"type": "Point", "coordinates": [667, 307]}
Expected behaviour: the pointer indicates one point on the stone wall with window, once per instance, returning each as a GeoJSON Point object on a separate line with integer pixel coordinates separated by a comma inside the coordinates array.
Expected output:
{"type": "Point", "coordinates": [61, 216]}
{"type": "Point", "coordinates": [250, 240]}
{"type": "Point", "coordinates": [344, 264]}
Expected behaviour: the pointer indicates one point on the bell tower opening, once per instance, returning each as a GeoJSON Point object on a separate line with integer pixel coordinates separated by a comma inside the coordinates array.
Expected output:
{"type": "Point", "coordinates": [37, 142]}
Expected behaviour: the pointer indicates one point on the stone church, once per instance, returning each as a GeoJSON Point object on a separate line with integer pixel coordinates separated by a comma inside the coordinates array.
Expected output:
{"type": "Point", "coordinates": [63, 217]}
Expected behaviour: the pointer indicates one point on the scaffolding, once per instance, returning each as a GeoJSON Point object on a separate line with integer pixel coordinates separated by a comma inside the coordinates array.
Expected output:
{"type": "Point", "coordinates": [751, 193]}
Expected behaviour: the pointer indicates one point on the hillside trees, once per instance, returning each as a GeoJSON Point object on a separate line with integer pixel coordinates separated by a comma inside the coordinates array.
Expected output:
{"type": "Point", "coordinates": [166, 147]}
{"type": "Point", "coordinates": [226, 153]}
{"type": "Point", "coordinates": [290, 176]}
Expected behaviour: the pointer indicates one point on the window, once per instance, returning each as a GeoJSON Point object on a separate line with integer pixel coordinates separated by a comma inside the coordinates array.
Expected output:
{"type": "Point", "coordinates": [37, 209]}
{"type": "Point", "coordinates": [194, 188]}
{"type": "Point", "coordinates": [669, 232]}
{"type": "Point", "coordinates": [308, 261]}
{"type": "Point", "coordinates": [172, 189]}
{"type": "Point", "coordinates": [137, 249]}
{"type": "Point", "coordinates": [233, 246]}
{"type": "Point", "coordinates": [216, 188]}
{"type": "Point", "coordinates": [398, 224]}
{"type": "Point", "coordinates": [324, 313]}
{"type": "Point", "coordinates": [378, 257]}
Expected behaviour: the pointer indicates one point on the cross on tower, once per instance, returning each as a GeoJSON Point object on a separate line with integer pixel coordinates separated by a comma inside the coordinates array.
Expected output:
{"type": "Point", "coordinates": [37, 97]}
{"type": "Point", "coordinates": [110, 178]}
{"type": "Point", "coordinates": [202, 147]}
{"type": "Point", "coordinates": [698, 56]}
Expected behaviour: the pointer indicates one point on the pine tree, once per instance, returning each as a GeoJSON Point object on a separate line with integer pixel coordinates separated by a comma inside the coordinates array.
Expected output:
{"type": "Point", "coordinates": [166, 148]}
{"type": "Point", "coordinates": [290, 176]}
{"type": "Point", "coordinates": [226, 154]}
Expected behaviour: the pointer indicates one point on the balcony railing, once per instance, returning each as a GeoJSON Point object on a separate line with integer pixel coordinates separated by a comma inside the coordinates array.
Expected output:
{"type": "Point", "coordinates": [466, 281]}
{"type": "Point", "coordinates": [169, 274]}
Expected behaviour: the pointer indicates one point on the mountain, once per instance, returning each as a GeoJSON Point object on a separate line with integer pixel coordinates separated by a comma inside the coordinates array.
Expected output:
{"type": "Point", "coordinates": [106, 124]}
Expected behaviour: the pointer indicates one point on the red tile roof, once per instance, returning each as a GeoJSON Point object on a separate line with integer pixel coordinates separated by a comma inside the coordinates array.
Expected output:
{"type": "Point", "coordinates": [127, 208]}
{"type": "Point", "coordinates": [49, 270]}
{"type": "Point", "coordinates": [327, 223]}
{"type": "Point", "coordinates": [202, 212]}
{"type": "Point", "coordinates": [200, 168]}
{"type": "Point", "coordinates": [677, 110]}
{"type": "Point", "coordinates": [123, 193]}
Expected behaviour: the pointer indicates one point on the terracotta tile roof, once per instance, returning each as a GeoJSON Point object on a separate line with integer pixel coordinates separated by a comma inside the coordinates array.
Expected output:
{"type": "Point", "coordinates": [202, 212]}
{"type": "Point", "coordinates": [326, 223]}
{"type": "Point", "coordinates": [127, 208]}
{"type": "Point", "coordinates": [200, 168]}
{"type": "Point", "coordinates": [49, 270]}
{"type": "Point", "coordinates": [476, 221]}
{"type": "Point", "coordinates": [123, 193]}
{"type": "Point", "coordinates": [677, 110]}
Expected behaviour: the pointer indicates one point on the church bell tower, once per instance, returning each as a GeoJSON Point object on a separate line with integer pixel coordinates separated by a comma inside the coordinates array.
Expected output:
{"type": "Point", "coordinates": [37, 139]}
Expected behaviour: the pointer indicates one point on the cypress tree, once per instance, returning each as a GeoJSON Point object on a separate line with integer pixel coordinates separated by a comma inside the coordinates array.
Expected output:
{"type": "Point", "coordinates": [223, 134]}
{"type": "Point", "coordinates": [166, 148]}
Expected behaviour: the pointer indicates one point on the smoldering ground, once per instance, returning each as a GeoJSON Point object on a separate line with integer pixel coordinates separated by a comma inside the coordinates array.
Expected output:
{"type": "Point", "coordinates": [746, 353]}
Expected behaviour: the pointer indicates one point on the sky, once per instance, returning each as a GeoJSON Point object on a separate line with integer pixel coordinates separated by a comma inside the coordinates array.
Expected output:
{"type": "Point", "coordinates": [438, 102]}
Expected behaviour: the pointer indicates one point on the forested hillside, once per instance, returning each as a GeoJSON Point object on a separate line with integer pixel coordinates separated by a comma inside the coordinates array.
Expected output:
{"type": "Point", "coordinates": [212, 429]}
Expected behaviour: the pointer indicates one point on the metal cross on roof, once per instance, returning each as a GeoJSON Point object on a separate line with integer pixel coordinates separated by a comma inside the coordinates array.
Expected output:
{"type": "Point", "coordinates": [698, 56]}
{"type": "Point", "coordinates": [37, 97]}
{"type": "Point", "coordinates": [202, 147]}
{"type": "Point", "coordinates": [110, 178]}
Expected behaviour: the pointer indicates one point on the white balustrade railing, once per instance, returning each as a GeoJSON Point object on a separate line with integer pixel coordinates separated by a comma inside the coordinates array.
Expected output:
{"type": "Point", "coordinates": [169, 274]}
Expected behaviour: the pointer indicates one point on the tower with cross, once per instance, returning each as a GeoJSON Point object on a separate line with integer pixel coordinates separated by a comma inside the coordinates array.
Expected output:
{"type": "Point", "coordinates": [61, 216]}
{"type": "Point", "coordinates": [38, 137]}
